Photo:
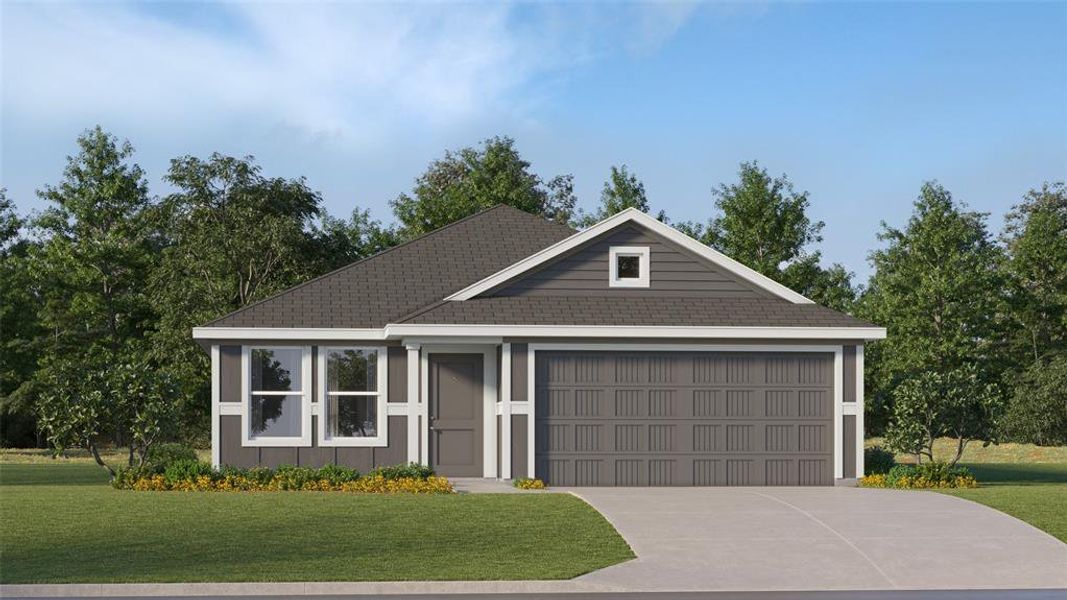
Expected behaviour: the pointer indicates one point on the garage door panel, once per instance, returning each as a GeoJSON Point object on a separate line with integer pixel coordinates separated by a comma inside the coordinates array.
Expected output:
{"type": "Point", "coordinates": [684, 419]}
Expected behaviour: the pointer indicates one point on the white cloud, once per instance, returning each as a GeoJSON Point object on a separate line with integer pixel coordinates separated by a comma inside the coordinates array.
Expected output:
{"type": "Point", "coordinates": [327, 69]}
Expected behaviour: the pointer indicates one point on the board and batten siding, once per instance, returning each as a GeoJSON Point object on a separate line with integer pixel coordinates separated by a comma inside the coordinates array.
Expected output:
{"type": "Point", "coordinates": [673, 271]}
{"type": "Point", "coordinates": [233, 453]}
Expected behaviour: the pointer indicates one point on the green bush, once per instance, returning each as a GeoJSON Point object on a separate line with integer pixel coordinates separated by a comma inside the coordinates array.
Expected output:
{"type": "Point", "coordinates": [187, 470]}
{"type": "Point", "coordinates": [877, 460]}
{"type": "Point", "coordinates": [337, 474]}
{"type": "Point", "coordinates": [926, 475]}
{"type": "Point", "coordinates": [412, 470]}
{"type": "Point", "coordinates": [161, 455]}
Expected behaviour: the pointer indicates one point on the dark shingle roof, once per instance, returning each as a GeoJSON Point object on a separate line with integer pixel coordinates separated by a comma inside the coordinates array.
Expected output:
{"type": "Point", "coordinates": [375, 291]}
{"type": "Point", "coordinates": [631, 310]}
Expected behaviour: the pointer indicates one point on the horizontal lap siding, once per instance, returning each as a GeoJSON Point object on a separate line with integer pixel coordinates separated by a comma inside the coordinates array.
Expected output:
{"type": "Point", "coordinates": [684, 418]}
{"type": "Point", "coordinates": [673, 271]}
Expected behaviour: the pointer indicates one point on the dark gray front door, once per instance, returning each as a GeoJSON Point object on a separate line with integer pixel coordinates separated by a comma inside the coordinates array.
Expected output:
{"type": "Point", "coordinates": [456, 398]}
{"type": "Point", "coordinates": [684, 418]}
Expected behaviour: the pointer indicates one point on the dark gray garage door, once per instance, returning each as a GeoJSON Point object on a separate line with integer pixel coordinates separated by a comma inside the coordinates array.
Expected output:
{"type": "Point", "coordinates": [684, 418]}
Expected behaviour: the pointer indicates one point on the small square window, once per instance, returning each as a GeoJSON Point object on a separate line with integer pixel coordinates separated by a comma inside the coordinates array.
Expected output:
{"type": "Point", "coordinates": [628, 267]}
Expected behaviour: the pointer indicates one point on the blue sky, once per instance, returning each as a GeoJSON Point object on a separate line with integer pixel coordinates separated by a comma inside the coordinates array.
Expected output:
{"type": "Point", "coordinates": [857, 103]}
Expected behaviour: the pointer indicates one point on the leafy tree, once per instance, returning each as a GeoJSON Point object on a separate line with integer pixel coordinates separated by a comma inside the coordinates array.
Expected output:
{"type": "Point", "coordinates": [763, 224]}
{"type": "Point", "coordinates": [339, 242]}
{"type": "Point", "coordinates": [88, 401]}
{"type": "Point", "coordinates": [936, 289]}
{"type": "Point", "coordinates": [622, 190]}
{"type": "Point", "coordinates": [932, 404]}
{"type": "Point", "coordinates": [1035, 237]}
{"type": "Point", "coordinates": [473, 179]}
{"type": "Point", "coordinates": [1037, 412]}
{"type": "Point", "coordinates": [234, 237]}
{"type": "Point", "coordinates": [20, 330]}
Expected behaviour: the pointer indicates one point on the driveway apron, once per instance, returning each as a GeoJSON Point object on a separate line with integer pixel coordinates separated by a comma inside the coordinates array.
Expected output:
{"type": "Point", "coordinates": [703, 539]}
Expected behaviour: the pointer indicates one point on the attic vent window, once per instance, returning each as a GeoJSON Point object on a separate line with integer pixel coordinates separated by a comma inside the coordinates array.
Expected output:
{"type": "Point", "coordinates": [628, 266]}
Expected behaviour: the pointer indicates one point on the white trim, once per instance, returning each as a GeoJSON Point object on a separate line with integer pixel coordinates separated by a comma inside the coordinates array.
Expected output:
{"type": "Point", "coordinates": [859, 411]}
{"type": "Point", "coordinates": [380, 440]}
{"type": "Point", "coordinates": [505, 411]}
{"type": "Point", "coordinates": [305, 400]}
{"type": "Point", "coordinates": [643, 264]}
{"type": "Point", "coordinates": [460, 338]}
{"type": "Point", "coordinates": [216, 383]}
{"type": "Point", "coordinates": [415, 401]}
{"type": "Point", "coordinates": [520, 408]}
{"type": "Point", "coordinates": [531, 379]}
{"type": "Point", "coordinates": [848, 408]}
{"type": "Point", "coordinates": [396, 409]}
{"type": "Point", "coordinates": [653, 331]}
{"type": "Point", "coordinates": [286, 333]}
{"type": "Point", "coordinates": [636, 216]}
{"type": "Point", "coordinates": [229, 409]}
{"type": "Point", "coordinates": [489, 392]}
{"type": "Point", "coordinates": [493, 334]}
{"type": "Point", "coordinates": [839, 409]}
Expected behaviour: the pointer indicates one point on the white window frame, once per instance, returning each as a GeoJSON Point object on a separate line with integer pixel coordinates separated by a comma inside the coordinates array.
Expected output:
{"type": "Point", "coordinates": [305, 399]}
{"type": "Point", "coordinates": [642, 252]}
{"type": "Point", "coordinates": [382, 439]}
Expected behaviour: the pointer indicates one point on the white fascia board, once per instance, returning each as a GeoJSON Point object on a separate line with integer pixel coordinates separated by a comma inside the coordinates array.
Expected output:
{"type": "Point", "coordinates": [636, 216]}
{"type": "Point", "coordinates": [624, 331]}
{"type": "Point", "coordinates": [285, 333]}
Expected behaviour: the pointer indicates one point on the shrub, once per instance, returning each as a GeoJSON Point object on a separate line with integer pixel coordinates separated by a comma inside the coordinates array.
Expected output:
{"type": "Point", "coordinates": [336, 474]}
{"type": "Point", "coordinates": [412, 470]}
{"type": "Point", "coordinates": [162, 455]}
{"type": "Point", "coordinates": [186, 470]}
{"type": "Point", "coordinates": [877, 460]}
{"type": "Point", "coordinates": [526, 483]}
{"type": "Point", "coordinates": [931, 475]}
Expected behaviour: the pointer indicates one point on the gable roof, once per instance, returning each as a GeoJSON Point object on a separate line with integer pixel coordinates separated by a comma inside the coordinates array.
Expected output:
{"type": "Point", "coordinates": [629, 215]}
{"type": "Point", "coordinates": [380, 289]}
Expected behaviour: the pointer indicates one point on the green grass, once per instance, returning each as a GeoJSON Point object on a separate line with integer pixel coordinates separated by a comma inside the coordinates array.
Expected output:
{"type": "Point", "coordinates": [1035, 493]}
{"type": "Point", "coordinates": [61, 523]}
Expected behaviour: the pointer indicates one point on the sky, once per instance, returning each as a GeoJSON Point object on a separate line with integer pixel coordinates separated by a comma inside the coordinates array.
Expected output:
{"type": "Point", "coordinates": [858, 103]}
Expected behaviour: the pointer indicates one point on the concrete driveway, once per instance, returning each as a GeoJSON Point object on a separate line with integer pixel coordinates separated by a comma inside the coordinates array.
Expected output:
{"type": "Point", "coordinates": [689, 539]}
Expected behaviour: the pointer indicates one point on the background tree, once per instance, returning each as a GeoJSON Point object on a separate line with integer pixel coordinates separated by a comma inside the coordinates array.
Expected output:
{"type": "Point", "coordinates": [1037, 411]}
{"type": "Point", "coordinates": [622, 190]}
{"type": "Point", "coordinates": [338, 242]}
{"type": "Point", "coordinates": [936, 288]}
{"type": "Point", "coordinates": [474, 179]}
{"type": "Point", "coordinates": [20, 330]}
{"type": "Point", "coordinates": [762, 222]}
{"type": "Point", "coordinates": [234, 237]}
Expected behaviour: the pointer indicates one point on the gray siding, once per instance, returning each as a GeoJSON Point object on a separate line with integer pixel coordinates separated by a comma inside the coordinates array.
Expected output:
{"type": "Point", "coordinates": [230, 367]}
{"type": "Point", "coordinates": [848, 441]}
{"type": "Point", "coordinates": [519, 372]}
{"type": "Point", "coordinates": [519, 441]}
{"type": "Point", "coordinates": [673, 272]}
{"type": "Point", "coordinates": [848, 357]}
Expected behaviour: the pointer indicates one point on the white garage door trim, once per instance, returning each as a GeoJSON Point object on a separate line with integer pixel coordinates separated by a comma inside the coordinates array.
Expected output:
{"type": "Point", "coordinates": [839, 381]}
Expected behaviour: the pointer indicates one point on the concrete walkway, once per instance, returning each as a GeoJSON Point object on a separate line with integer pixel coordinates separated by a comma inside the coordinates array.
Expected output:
{"type": "Point", "coordinates": [689, 539]}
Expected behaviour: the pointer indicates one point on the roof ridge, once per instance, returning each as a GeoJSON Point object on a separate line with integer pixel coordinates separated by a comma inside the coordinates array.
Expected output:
{"type": "Point", "coordinates": [362, 260]}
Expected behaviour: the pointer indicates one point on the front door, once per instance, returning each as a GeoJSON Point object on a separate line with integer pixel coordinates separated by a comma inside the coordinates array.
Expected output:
{"type": "Point", "coordinates": [456, 398]}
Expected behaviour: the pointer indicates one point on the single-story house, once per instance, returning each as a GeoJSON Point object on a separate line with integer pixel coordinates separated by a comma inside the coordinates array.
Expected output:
{"type": "Point", "coordinates": [505, 345]}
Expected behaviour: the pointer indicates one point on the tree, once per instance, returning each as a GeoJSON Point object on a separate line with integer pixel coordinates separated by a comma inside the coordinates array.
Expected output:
{"type": "Point", "coordinates": [113, 394]}
{"type": "Point", "coordinates": [1035, 238]}
{"type": "Point", "coordinates": [20, 330]}
{"type": "Point", "coordinates": [234, 237]}
{"type": "Point", "coordinates": [762, 222]}
{"type": "Point", "coordinates": [339, 242]}
{"type": "Point", "coordinates": [932, 404]}
{"type": "Point", "coordinates": [1037, 412]}
{"type": "Point", "coordinates": [622, 190]}
{"type": "Point", "coordinates": [474, 179]}
{"type": "Point", "coordinates": [936, 289]}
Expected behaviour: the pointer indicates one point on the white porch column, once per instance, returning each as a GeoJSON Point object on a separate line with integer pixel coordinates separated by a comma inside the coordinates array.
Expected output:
{"type": "Point", "coordinates": [859, 410]}
{"type": "Point", "coordinates": [216, 374]}
{"type": "Point", "coordinates": [505, 411]}
{"type": "Point", "coordinates": [839, 412]}
{"type": "Point", "coordinates": [414, 403]}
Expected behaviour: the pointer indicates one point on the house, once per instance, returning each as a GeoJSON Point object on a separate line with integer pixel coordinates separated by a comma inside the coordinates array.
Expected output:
{"type": "Point", "coordinates": [504, 345]}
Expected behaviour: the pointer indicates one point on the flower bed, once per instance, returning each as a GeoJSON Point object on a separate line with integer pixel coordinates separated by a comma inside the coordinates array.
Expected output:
{"type": "Point", "coordinates": [195, 476]}
{"type": "Point", "coordinates": [526, 483]}
{"type": "Point", "coordinates": [924, 476]}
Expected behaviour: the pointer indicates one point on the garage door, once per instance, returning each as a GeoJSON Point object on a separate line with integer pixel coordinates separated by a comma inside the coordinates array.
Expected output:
{"type": "Point", "coordinates": [684, 418]}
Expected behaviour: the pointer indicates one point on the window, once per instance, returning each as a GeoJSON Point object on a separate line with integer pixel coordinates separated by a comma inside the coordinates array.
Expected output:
{"type": "Point", "coordinates": [353, 396]}
{"type": "Point", "coordinates": [276, 383]}
{"type": "Point", "coordinates": [628, 266]}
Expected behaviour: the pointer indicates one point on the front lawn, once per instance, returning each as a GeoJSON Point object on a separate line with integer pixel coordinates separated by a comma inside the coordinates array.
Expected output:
{"type": "Point", "coordinates": [1035, 493]}
{"type": "Point", "coordinates": [62, 523]}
